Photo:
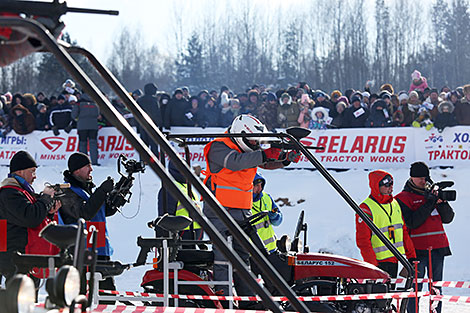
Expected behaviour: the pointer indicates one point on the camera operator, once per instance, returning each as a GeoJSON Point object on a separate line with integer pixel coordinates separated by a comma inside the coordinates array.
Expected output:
{"type": "Point", "coordinates": [424, 213]}
{"type": "Point", "coordinates": [80, 201]}
{"type": "Point", "coordinates": [25, 212]}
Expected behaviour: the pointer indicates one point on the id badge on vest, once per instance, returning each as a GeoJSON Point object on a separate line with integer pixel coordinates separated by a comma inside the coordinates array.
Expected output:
{"type": "Point", "coordinates": [100, 227]}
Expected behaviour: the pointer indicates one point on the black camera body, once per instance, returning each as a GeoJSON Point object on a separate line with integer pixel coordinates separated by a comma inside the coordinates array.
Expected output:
{"type": "Point", "coordinates": [131, 166]}
{"type": "Point", "coordinates": [121, 193]}
{"type": "Point", "coordinates": [445, 195]}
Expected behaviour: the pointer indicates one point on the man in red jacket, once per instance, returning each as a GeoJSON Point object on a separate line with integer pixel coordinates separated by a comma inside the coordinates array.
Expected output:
{"type": "Point", "coordinates": [424, 213]}
{"type": "Point", "coordinates": [386, 214]}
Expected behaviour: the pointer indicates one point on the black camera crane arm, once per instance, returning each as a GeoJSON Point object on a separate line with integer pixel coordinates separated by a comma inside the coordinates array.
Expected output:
{"type": "Point", "coordinates": [54, 9]}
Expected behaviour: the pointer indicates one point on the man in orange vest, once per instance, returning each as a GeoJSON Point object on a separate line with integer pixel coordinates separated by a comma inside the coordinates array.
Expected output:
{"type": "Point", "coordinates": [231, 168]}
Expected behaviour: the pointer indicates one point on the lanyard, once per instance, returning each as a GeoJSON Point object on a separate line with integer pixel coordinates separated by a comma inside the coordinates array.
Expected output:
{"type": "Point", "coordinates": [391, 228]}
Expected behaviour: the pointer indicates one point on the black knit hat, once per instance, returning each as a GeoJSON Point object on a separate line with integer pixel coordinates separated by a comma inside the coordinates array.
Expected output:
{"type": "Point", "coordinates": [21, 161]}
{"type": "Point", "coordinates": [77, 161]}
{"type": "Point", "coordinates": [419, 169]}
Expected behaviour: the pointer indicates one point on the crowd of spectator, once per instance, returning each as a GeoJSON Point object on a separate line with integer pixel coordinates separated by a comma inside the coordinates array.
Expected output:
{"type": "Point", "coordinates": [300, 105]}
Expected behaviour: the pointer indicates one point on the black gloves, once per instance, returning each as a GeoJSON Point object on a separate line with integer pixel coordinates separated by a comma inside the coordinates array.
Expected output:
{"type": "Point", "coordinates": [55, 130]}
{"type": "Point", "coordinates": [107, 185]}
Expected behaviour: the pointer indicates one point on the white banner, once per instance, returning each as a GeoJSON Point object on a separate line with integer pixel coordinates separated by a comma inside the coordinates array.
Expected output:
{"type": "Point", "coordinates": [344, 148]}
{"type": "Point", "coordinates": [48, 149]}
{"type": "Point", "coordinates": [363, 148]}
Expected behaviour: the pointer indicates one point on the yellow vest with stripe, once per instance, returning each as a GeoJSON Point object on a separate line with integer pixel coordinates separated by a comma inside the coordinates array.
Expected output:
{"type": "Point", "coordinates": [383, 220]}
{"type": "Point", "coordinates": [181, 210]}
{"type": "Point", "coordinates": [264, 226]}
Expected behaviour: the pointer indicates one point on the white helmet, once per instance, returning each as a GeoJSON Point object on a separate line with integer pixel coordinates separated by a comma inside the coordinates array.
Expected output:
{"type": "Point", "coordinates": [247, 124]}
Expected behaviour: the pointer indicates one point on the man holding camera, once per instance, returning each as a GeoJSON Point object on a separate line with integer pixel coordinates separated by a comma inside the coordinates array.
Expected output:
{"type": "Point", "coordinates": [80, 201]}
{"type": "Point", "coordinates": [24, 212]}
{"type": "Point", "coordinates": [424, 213]}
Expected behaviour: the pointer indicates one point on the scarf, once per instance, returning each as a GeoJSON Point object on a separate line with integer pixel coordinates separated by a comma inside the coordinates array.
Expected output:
{"type": "Point", "coordinates": [23, 183]}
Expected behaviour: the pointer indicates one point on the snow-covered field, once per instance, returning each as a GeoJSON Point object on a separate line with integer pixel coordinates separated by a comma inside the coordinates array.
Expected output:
{"type": "Point", "coordinates": [330, 220]}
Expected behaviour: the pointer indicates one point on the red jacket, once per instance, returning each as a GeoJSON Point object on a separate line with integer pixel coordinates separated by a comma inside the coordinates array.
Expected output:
{"type": "Point", "coordinates": [424, 219]}
{"type": "Point", "coordinates": [363, 232]}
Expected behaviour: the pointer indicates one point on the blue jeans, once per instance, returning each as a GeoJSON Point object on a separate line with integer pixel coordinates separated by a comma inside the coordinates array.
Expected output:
{"type": "Point", "coordinates": [437, 260]}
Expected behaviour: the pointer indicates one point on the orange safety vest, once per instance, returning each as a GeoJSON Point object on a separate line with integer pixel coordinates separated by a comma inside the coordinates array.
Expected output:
{"type": "Point", "coordinates": [233, 189]}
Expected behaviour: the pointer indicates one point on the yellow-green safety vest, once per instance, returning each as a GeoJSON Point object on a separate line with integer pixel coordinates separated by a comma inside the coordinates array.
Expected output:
{"type": "Point", "coordinates": [264, 227]}
{"type": "Point", "coordinates": [181, 210]}
{"type": "Point", "coordinates": [387, 218]}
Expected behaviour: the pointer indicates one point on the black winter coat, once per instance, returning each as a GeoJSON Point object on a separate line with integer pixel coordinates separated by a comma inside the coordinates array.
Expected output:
{"type": "Point", "coordinates": [149, 104]}
{"type": "Point", "coordinates": [211, 116]}
{"type": "Point", "coordinates": [174, 113]}
{"type": "Point", "coordinates": [444, 120]}
{"type": "Point", "coordinates": [379, 115]}
{"type": "Point", "coordinates": [352, 120]}
{"type": "Point", "coordinates": [20, 214]}
{"type": "Point", "coordinates": [74, 207]}
{"type": "Point", "coordinates": [61, 115]}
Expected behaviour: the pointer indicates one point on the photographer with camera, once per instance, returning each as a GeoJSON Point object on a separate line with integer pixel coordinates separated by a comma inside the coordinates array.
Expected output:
{"type": "Point", "coordinates": [80, 201]}
{"type": "Point", "coordinates": [425, 210]}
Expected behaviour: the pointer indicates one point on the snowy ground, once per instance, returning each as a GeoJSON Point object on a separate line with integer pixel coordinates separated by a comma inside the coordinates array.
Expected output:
{"type": "Point", "coordinates": [330, 220]}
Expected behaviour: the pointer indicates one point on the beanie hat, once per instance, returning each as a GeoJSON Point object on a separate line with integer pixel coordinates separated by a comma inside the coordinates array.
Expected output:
{"type": "Point", "coordinates": [178, 91]}
{"type": "Point", "coordinates": [21, 161]}
{"type": "Point", "coordinates": [354, 99]}
{"type": "Point", "coordinates": [402, 96]}
{"type": "Point", "coordinates": [253, 93]}
{"type": "Point", "coordinates": [414, 94]}
{"type": "Point", "coordinates": [271, 96]}
{"type": "Point", "coordinates": [61, 97]}
{"type": "Point", "coordinates": [419, 169]}
{"type": "Point", "coordinates": [77, 161]}
{"type": "Point", "coordinates": [415, 75]}
{"type": "Point", "coordinates": [365, 94]}
{"type": "Point", "coordinates": [40, 106]}
{"type": "Point", "coordinates": [72, 98]}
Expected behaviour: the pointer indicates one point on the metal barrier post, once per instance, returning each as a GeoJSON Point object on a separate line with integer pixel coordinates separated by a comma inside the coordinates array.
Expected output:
{"type": "Point", "coordinates": [166, 274]}
{"type": "Point", "coordinates": [230, 274]}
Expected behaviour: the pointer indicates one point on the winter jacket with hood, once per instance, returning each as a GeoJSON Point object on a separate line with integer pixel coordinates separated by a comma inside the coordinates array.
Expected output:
{"type": "Point", "coordinates": [24, 123]}
{"type": "Point", "coordinates": [149, 103]}
{"type": "Point", "coordinates": [287, 114]}
{"type": "Point", "coordinates": [420, 85]}
{"type": "Point", "coordinates": [86, 113]}
{"type": "Point", "coordinates": [379, 115]}
{"type": "Point", "coordinates": [445, 119]}
{"type": "Point", "coordinates": [275, 218]}
{"type": "Point", "coordinates": [363, 232]}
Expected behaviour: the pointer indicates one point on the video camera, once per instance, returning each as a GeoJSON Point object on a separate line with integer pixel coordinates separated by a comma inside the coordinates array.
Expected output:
{"type": "Point", "coordinates": [58, 188]}
{"type": "Point", "coordinates": [445, 195]}
{"type": "Point", "coordinates": [121, 194]}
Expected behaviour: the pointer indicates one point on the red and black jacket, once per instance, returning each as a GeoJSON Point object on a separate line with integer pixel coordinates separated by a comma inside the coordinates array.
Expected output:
{"type": "Point", "coordinates": [425, 218]}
